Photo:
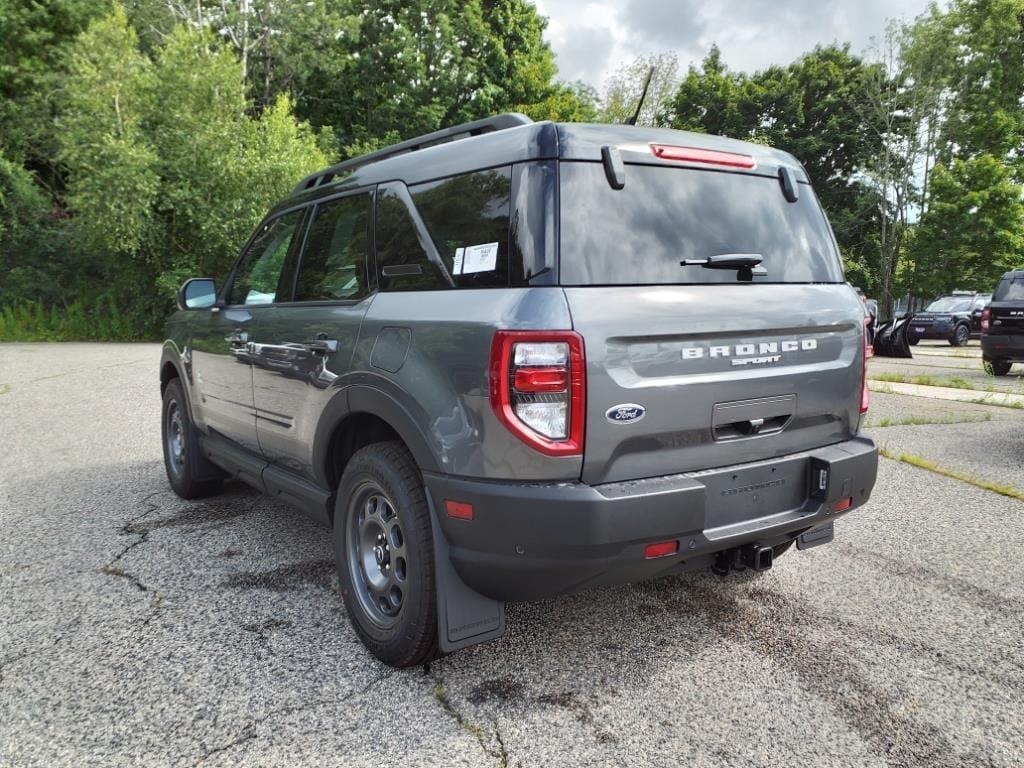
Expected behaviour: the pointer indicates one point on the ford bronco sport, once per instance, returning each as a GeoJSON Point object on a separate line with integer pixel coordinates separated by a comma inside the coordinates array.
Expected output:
{"type": "Point", "coordinates": [1002, 325]}
{"type": "Point", "coordinates": [510, 360]}
{"type": "Point", "coordinates": [955, 318]}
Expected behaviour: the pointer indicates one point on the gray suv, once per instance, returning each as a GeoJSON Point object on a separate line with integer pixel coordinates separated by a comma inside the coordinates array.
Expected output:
{"type": "Point", "coordinates": [510, 360]}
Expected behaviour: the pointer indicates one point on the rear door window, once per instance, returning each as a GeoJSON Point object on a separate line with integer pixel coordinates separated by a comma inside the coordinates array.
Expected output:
{"type": "Point", "coordinates": [639, 234]}
{"type": "Point", "coordinates": [334, 261]}
{"type": "Point", "coordinates": [468, 217]}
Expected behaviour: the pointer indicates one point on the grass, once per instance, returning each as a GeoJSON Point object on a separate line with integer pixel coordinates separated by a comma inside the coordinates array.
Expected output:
{"type": "Point", "coordinates": [923, 380]}
{"type": "Point", "coordinates": [926, 464]}
{"type": "Point", "coordinates": [915, 421]}
{"type": "Point", "coordinates": [32, 321]}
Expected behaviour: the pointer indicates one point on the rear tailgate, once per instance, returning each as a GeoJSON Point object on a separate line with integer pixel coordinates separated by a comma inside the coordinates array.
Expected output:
{"type": "Point", "coordinates": [690, 367]}
{"type": "Point", "coordinates": [786, 358]}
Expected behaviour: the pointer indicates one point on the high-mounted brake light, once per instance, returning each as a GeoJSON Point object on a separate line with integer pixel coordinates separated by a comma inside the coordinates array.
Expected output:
{"type": "Point", "coordinates": [709, 156]}
{"type": "Point", "coordinates": [537, 388]}
{"type": "Point", "coordinates": [986, 319]}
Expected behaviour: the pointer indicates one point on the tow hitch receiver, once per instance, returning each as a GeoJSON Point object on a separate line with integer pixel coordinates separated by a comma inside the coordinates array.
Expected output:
{"type": "Point", "coordinates": [751, 556]}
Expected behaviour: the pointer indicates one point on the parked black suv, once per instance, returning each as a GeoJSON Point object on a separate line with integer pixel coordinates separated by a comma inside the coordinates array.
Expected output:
{"type": "Point", "coordinates": [955, 318]}
{"type": "Point", "coordinates": [1002, 324]}
{"type": "Point", "coordinates": [510, 360]}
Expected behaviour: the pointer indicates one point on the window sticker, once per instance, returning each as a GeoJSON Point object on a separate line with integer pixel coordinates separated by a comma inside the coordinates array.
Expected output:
{"type": "Point", "coordinates": [457, 264]}
{"type": "Point", "coordinates": [477, 258]}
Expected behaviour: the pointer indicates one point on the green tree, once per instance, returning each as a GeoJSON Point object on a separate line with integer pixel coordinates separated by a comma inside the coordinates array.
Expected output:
{"type": "Point", "coordinates": [168, 171]}
{"type": "Point", "coordinates": [973, 229]}
{"type": "Point", "coordinates": [624, 88]}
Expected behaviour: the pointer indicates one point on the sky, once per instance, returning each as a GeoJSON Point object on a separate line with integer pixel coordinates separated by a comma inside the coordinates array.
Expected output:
{"type": "Point", "coordinates": [592, 38]}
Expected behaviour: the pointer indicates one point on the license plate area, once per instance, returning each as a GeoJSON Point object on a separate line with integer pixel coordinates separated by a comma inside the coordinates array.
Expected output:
{"type": "Point", "coordinates": [755, 491]}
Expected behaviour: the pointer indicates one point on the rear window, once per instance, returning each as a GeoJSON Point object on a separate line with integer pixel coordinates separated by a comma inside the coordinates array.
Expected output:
{"type": "Point", "coordinates": [639, 235]}
{"type": "Point", "coordinates": [1010, 289]}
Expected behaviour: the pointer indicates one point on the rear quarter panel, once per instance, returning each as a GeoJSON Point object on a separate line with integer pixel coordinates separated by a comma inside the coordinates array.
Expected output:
{"type": "Point", "coordinates": [442, 378]}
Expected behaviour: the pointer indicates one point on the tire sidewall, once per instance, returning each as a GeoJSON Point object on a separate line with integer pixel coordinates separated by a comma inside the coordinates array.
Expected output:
{"type": "Point", "coordinates": [180, 482]}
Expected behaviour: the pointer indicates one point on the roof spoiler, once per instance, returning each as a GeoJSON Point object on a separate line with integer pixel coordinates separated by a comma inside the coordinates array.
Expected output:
{"type": "Point", "coordinates": [443, 136]}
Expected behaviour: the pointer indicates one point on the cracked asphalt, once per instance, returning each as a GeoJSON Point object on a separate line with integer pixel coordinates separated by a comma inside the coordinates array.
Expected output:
{"type": "Point", "coordinates": [140, 629]}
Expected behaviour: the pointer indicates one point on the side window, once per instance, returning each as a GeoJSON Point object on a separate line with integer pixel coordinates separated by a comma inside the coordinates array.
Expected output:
{"type": "Point", "coordinates": [468, 219]}
{"type": "Point", "coordinates": [402, 260]}
{"type": "Point", "coordinates": [259, 271]}
{"type": "Point", "coordinates": [333, 265]}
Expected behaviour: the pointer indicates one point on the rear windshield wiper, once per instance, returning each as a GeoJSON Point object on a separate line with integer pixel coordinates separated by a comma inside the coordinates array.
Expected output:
{"type": "Point", "coordinates": [747, 264]}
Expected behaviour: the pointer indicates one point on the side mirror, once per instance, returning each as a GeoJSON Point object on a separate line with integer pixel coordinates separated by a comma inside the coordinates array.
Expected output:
{"type": "Point", "coordinates": [197, 293]}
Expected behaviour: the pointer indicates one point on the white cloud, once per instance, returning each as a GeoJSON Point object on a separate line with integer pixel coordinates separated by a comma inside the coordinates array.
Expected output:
{"type": "Point", "coordinates": [592, 39]}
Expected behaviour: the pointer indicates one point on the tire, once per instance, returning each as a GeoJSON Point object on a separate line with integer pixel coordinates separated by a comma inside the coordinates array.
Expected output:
{"type": "Point", "coordinates": [961, 335]}
{"type": "Point", "coordinates": [384, 552]}
{"type": "Point", "coordinates": [912, 342]}
{"type": "Point", "coordinates": [190, 474]}
{"type": "Point", "coordinates": [997, 367]}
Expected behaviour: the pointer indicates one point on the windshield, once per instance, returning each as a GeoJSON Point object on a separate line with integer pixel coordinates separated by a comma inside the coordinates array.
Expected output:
{"type": "Point", "coordinates": [639, 234]}
{"type": "Point", "coordinates": [949, 304]}
{"type": "Point", "coordinates": [1010, 289]}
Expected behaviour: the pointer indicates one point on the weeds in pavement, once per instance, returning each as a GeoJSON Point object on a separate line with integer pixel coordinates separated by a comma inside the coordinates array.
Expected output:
{"type": "Point", "coordinates": [922, 463]}
{"type": "Point", "coordinates": [916, 421]}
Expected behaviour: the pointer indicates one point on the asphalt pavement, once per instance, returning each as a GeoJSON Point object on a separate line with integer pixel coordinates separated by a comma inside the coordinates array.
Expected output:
{"type": "Point", "coordinates": [140, 629]}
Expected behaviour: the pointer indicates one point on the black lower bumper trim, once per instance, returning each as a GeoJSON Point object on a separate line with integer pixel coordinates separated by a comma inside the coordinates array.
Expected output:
{"type": "Point", "coordinates": [533, 540]}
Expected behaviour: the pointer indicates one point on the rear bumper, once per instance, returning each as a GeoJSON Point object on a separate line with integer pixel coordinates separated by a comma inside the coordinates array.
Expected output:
{"type": "Point", "coordinates": [1003, 346]}
{"type": "Point", "coordinates": [529, 541]}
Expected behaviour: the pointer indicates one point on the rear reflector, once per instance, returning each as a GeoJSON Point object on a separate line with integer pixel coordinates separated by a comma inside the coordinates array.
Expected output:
{"type": "Point", "coordinates": [661, 549]}
{"type": "Point", "coordinates": [709, 156]}
{"type": "Point", "coordinates": [843, 504]}
{"type": "Point", "coordinates": [459, 510]}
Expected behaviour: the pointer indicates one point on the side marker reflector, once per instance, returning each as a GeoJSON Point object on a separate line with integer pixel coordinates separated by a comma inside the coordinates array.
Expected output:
{"type": "Point", "coordinates": [459, 510]}
{"type": "Point", "coordinates": [843, 504]}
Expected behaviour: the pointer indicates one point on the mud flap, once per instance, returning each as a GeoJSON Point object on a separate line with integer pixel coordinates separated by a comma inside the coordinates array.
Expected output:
{"type": "Point", "coordinates": [464, 616]}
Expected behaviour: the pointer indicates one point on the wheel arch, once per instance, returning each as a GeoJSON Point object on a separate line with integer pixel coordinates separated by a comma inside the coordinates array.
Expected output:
{"type": "Point", "coordinates": [359, 416]}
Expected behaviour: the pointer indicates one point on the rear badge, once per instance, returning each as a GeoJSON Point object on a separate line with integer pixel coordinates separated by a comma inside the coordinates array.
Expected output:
{"type": "Point", "coordinates": [625, 413]}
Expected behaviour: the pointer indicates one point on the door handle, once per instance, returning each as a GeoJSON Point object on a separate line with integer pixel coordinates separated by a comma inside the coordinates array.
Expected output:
{"type": "Point", "coordinates": [238, 338]}
{"type": "Point", "coordinates": [321, 346]}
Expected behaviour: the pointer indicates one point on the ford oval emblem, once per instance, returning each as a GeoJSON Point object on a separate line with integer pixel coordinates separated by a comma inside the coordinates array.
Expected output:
{"type": "Point", "coordinates": [626, 413]}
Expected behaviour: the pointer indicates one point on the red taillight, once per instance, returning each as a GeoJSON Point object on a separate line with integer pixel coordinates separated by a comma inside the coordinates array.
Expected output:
{"type": "Point", "coordinates": [661, 549]}
{"type": "Point", "coordinates": [986, 319]}
{"type": "Point", "coordinates": [709, 156]}
{"type": "Point", "coordinates": [869, 352]}
{"type": "Point", "coordinates": [458, 509]}
{"type": "Point", "coordinates": [537, 388]}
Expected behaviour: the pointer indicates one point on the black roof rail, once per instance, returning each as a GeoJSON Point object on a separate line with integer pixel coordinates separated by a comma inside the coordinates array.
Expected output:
{"type": "Point", "coordinates": [443, 136]}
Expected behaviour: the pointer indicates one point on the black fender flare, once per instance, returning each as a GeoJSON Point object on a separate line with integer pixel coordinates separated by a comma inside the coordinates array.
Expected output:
{"type": "Point", "coordinates": [360, 398]}
{"type": "Point", "coordinates": [170, 355]}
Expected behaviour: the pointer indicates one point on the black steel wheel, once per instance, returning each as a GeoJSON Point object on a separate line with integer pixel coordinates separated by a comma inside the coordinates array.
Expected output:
{"type": "Point", "coordinates": [384, 551]}
{"type": "Point", "coordinates": [190, 474]}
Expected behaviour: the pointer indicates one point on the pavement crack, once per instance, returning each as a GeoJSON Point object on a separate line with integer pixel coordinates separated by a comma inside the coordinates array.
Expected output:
{"type": "Point", "coordinates": [467, 725]}
{"type": "Point", "coordinates": [250, 731]}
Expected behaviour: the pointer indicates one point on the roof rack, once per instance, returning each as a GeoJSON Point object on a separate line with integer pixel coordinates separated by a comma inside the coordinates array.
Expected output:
{"type": "Point", "coordinates": [443, 136]}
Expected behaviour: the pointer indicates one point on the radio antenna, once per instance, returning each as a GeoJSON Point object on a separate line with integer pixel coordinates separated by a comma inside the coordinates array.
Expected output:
{"type": "Point", "coordinates": [643, 95]}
